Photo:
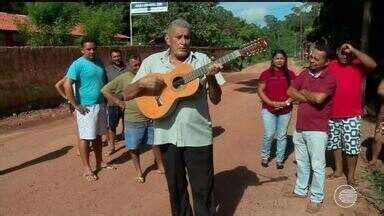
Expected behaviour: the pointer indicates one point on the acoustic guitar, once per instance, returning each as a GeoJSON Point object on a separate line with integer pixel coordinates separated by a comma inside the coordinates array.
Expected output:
{"type": "Point", "coordinates": [183, 81]}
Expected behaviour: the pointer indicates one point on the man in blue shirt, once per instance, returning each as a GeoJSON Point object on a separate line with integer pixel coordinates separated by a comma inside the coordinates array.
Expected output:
{"type": "Point", "coordinates": [88, 73]}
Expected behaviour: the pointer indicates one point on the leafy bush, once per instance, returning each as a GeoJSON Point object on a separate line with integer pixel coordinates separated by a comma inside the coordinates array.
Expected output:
{"type": "Point", "coordinates": [49, 24]}
{"type": "Point", "coordinates": [376, 180]}
{"type": "Point", "coordinates": [102, 22]}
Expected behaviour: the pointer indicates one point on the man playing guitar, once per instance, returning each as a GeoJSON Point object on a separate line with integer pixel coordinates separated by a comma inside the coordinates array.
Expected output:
{"type": "Point", "coordinates": [185, 135]}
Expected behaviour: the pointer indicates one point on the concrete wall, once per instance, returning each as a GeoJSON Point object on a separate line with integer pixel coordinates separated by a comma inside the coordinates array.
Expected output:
{"type": "Point", "coordinates": [28, 74]}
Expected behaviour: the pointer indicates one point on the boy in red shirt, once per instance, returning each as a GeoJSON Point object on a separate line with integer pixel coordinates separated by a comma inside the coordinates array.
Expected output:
{"type": "Point", "coordinates": [349, 70]}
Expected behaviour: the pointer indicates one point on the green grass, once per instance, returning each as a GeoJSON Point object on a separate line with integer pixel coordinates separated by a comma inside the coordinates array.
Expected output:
{"type": "Point", "coordinates": [376, 181]}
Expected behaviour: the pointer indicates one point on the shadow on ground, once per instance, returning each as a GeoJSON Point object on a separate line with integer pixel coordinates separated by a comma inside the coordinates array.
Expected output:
{"type": "Point", "coordinates": [125, 156]}
{"type": "Point", "coordinates": [288, 151]}
{"type": "Point", "coordinates": [249, 86]}
{"type": "Point", "coordinates": [230, 186]}
{"type": "Point", "coordinates": [217, 131]}
{"type": "Point", "coordinates": [50, 156]}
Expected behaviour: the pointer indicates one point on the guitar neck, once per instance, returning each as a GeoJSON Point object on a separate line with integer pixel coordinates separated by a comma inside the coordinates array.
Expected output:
{"type": "Point", "coordinates": [200, 72]}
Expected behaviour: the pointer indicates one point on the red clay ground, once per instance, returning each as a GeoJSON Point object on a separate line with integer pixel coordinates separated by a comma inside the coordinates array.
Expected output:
{"type": "Point", "coordinates": [40, 174]}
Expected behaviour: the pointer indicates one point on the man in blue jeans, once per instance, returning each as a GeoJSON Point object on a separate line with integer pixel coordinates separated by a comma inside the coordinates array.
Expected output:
{"type": "Point", "coordinates": [137, 128]}
{"type": "Point", "coordinates": [314, 89]}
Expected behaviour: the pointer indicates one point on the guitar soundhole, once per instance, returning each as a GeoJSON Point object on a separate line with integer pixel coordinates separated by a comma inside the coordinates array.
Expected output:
{"type": "Point", "coordinates": [177, 82]}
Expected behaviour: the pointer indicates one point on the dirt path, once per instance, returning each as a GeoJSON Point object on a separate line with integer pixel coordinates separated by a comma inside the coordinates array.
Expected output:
{"type": "Point", "coordinates": [40, 174]}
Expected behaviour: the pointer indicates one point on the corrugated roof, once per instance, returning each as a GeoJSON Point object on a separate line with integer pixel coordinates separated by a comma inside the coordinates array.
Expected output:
{"type": "Point", "coordinates": [8, 21]}
{"type": "Point", "coordinates": [78, 31]}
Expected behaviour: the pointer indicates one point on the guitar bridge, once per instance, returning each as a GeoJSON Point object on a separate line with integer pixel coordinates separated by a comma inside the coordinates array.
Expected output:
{"type": "Point", "coordinates": [158, 101]}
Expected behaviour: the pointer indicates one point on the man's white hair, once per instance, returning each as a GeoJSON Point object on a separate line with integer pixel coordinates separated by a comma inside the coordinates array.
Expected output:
{"type": "Point", "coordinates": [178, 23]}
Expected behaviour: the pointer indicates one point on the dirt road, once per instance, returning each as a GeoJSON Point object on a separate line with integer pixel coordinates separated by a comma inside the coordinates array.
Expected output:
{"type": "Point", "coordinates": [40, 174]}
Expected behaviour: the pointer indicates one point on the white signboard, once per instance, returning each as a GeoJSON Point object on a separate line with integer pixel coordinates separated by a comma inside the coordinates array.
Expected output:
{"type": "Point", "coordinates": [148, 7]}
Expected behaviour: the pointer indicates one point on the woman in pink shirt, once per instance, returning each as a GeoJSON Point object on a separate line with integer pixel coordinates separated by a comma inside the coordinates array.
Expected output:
{"type": "Point", "coordinates": [276, 110]}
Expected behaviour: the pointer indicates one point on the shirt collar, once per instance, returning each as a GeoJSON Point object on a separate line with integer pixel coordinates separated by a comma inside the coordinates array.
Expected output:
{"type": "Point", "coordinates": [165, 57]}
{"type": "Point", "coordinates": [119, 68]}
{"type": "Point", "coordinates": [317, 75]}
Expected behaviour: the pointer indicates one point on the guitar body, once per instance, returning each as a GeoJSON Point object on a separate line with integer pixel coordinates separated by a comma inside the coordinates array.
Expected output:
{"type": "Point", "coordinates": [156, 106]}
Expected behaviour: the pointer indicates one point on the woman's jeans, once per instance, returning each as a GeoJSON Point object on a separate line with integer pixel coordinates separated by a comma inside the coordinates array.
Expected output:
{"type": "Point", "coordinates": [275, 125]}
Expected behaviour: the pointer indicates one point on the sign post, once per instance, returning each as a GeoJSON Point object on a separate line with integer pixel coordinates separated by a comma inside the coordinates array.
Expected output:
{"type": "Point", "coordinates": [145, 8]}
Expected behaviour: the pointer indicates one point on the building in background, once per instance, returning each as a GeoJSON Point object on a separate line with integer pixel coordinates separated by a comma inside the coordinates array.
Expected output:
{"type": "Point", "coordinates": [10, 35]}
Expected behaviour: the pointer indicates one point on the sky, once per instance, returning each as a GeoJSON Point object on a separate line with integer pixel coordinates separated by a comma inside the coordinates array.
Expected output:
{"type": "Point", "coordinates": [254, 12]}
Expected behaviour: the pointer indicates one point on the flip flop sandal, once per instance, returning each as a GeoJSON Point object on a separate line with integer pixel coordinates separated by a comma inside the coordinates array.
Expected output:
{"type": "Point", "coordinates": [140, 179]}
{"type": "Point", "coordinates": [264, 163]}
{"type": "Point", "coordinates": [90, 177]}
{"type": "Point", "coordinates": [279, 165]}
{"type": "Point", "coordinates": [332, 176]}
{"type": "Point", "coordinates": [352, 183]}
{"type": "Point", "coordinates": [106, 166]}
{"type": "Point", "coordinates": [373, 166]}
{"type": "Point", "coordinates": [108, 153]}
{"type": "Point", "coordinates": [292, 194]}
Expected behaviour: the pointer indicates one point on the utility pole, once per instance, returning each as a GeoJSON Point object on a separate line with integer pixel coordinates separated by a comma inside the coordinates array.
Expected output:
{"type": "Point", "coordinates": [130, 26]}
{"type": "Point", "coordinates": [301, 35]}
{"type": "Point", "coordinates": [365, 28]}
{"type": "Point", "coordinates": [145, 8]}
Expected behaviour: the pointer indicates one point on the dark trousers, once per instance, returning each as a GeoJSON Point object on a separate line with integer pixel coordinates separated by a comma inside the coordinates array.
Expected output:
{"type": "Point", "coordinates": [198, 163]}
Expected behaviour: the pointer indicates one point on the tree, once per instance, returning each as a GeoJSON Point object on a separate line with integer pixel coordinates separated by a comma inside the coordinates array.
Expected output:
{"type": "Point", "coordinates": [285, 34]}
{"type": "Point", "coordinates": [212, 25]}
{"type": "Point", "coordinates": [101, 22]}
{"type": "Point", "coordinates": [270, 20]}
{"type": "Point", "coordinates": [49, 23]}
{"type": "Point", "coordinates": [125, 6]}
{"type": "Point", "coordinates": [12, 7]}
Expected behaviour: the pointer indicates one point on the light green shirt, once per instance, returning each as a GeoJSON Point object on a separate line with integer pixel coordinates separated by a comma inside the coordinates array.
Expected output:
{"type": "Point", "coordinates": [117, 86]}
{"type": "Point", "coordinates": [190, 123]}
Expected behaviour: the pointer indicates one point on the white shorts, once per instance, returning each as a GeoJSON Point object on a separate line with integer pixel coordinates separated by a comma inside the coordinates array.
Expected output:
{"type": "Point", "coordinates": [92, 123]}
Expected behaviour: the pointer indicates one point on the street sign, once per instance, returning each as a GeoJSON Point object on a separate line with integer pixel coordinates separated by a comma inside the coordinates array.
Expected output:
{"type": "Point", "coordinates": [148, 7]}
{"type": "Point", "coordinates": [144, 8]}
